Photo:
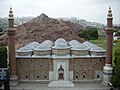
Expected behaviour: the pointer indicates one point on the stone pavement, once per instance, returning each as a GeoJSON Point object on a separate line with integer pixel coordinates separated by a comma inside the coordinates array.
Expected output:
{"type": "Point", "coordinates": [90, 86]}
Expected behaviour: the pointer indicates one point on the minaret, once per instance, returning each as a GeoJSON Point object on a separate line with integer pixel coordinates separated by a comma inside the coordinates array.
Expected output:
{"type": "Point", "coordinates": [107, 70]}
{"type": "Point", "coordinates": [11, 45]}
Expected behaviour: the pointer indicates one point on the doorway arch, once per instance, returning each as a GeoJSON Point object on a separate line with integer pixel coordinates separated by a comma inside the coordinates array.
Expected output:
{"type": "Point", "coordinates": [61, 73]}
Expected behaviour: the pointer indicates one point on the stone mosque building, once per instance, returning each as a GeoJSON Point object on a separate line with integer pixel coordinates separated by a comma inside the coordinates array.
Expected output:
{"type": "Point", "coordinates": [61, 60]}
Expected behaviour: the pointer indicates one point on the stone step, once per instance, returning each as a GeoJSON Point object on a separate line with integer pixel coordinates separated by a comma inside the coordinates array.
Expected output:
{"type": "Point", "coordinates": [61, 83]}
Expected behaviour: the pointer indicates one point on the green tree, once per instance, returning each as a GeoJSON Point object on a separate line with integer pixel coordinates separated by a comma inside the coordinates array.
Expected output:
{"type": "Point", "coordinates": [115, 80]}
{"type": "Point", "coordinates": [89, 33]}
{"type": "Point", "coordinates": [85, 35]}
{"type": "Point", "coordinates": [3, 58]}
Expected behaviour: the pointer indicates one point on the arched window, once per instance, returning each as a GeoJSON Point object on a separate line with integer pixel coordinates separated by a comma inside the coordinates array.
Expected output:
{"type": "Point", "coordinates": [98, 76]}
{"type": "Point", "coordinates": [45, 76]}
{"type": "Point", "coordinates": [38, 76]}
{"type": "Point", "coordinates": [26, 76]}
{"type": "Point", "coordinates": [84, 76]}
{"type": "Point", "coordinates": [76, 76]}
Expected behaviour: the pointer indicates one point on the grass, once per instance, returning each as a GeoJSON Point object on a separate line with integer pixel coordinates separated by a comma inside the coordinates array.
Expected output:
{"type": "Point", "coordinates": [101, 43]}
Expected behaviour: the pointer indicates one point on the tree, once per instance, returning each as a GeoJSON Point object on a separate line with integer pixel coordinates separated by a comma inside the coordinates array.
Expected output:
{"type": "Point", "coordinates": [115, 80]}
{"type": "Point", "coordinates": [85, 35]}
{"type": "Point", "coordinates": [3, 64]}
{"type": "Point", "coordinates": [3, 57]}
{"type": "Point", "coordinates": [89, 33]}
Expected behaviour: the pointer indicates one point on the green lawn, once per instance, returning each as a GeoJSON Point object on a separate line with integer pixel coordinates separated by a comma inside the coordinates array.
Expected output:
{"type": "Point", "coordinates": [101, 42]}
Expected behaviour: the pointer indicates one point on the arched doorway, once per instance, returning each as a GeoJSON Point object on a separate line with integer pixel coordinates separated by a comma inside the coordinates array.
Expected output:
{"type": "Point", "coordinates": [61, 73]}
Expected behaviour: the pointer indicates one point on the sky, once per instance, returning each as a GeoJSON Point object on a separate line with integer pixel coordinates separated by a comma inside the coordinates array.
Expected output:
{"type": "Point", "coordinates": [90, 10]}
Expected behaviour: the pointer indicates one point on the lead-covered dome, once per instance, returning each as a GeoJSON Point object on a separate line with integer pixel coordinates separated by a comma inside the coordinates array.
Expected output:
{"type": "Point", "coordinates": [79, 50]}
{"type": "Point", "coordinates": [61, 44]}
{"type": "Point", "coordinates": [60, 40]}
{"type": "Point", "coordinates": [47, 43]}
{"type": "Point", "coordinates": [61, 47]}
{"type": "Point", "coordinates": [26, 50]}
{"type": "Point", "coordinates": [74, 43]}
{"type": "Point", "coordinates": [94, 49]}
{"type": "Point", "coordinates": [43, 49]}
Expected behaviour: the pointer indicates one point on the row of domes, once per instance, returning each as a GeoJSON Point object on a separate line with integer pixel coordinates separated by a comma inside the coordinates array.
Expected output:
{"type": "Point", "coordinates": [60, 47]}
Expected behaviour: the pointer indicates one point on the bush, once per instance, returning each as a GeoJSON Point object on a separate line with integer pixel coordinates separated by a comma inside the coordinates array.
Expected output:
{"type": "Point", "coordinates": [116, 41]}
{"type": "Point", "coordinates": [115, 80]}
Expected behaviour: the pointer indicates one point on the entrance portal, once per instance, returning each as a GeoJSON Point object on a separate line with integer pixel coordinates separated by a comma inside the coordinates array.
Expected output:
{"type": "Point", "coordinates": [61, 77]}
{"type": "Point", "coordinates": [61, 73]}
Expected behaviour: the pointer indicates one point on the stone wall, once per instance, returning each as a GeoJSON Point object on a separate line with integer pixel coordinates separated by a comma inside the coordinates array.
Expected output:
{"type": "Point", "coordinates": [87, 68]}
{"type": "Point", "coordinates": [38, 69]}
{"type": "Point", "coordinates": [33, 69]}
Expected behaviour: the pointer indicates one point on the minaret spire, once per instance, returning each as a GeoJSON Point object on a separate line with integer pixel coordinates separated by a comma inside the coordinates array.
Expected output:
{"type": "Point", "coordinates": [11, 45]}
{"type": "Point", "coordinates": [107, 70]}
{"type": "Point", "coordinates": [109, 18]}
{"type": "Point", "coordinates": [11, 12]}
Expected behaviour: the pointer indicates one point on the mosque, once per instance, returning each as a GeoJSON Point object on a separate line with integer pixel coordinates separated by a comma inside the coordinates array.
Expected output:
{"type": "Point", "coordinates": [60, 61]}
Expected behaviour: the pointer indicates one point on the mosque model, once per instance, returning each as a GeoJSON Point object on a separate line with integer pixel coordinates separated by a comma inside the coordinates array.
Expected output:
{"type": "Point", "coordinates": [61, 60]}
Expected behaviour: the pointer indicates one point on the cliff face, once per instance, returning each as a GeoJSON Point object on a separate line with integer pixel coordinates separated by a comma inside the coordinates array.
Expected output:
{"type": "Point", "coordinates": [43, 28]}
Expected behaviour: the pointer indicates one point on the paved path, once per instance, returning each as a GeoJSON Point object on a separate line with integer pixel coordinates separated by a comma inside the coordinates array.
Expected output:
{"type": "Point", "coordinates": [91, 86]}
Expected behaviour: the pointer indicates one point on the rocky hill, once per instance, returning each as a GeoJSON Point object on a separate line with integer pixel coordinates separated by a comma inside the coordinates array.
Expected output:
{"type": "Point", "coordinates": [43, 28]}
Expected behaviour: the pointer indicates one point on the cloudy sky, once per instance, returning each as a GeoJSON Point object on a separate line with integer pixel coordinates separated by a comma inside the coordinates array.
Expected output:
{"type": "Point", "coordinates": [90, 10]}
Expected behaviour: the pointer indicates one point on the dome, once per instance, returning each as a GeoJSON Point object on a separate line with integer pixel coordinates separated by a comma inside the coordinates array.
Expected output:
{"type": "Point", "coordinates": [43, 47]}
{"type": "Point", "coordinates": [61, 44]}
{"type": "Point", "coordinates": [94, 50]}
{"type": "Point", "coordinates": [60, 40]}
{"type": "Point", "coordinates": [26, 50]}
{"type": "Point", "coordinates": [73, 43]}
{"type": "Point", "coordinates": [28, 47]}
{"type": "Point", "coordinates": [79, 47]}
{"type": "Point", "coordinates": [89, 45]}
{"type": "Point", "coordinates": [98, 49]}
{"type": "Point", "coordinates": [79, 50]}
{"type": "Point", "coordinates": [47, 43]}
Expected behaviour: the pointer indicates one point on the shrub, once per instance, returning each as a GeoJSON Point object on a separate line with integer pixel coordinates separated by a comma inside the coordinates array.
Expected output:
{"type": "Point", "coordinates": [115, 80]}
{"type": "Point", "coordinates": [116, 41]}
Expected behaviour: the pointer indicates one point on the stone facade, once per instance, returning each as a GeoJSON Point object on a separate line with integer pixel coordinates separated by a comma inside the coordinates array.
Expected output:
{"type": "Point", "coordinates": [38, 68]}
{"type": "Point", "coordinates": [88, 68]}
{"type": "Point", "coordinates": [43, 61]}
{"type": "Point", "coordinates": [33, 69]}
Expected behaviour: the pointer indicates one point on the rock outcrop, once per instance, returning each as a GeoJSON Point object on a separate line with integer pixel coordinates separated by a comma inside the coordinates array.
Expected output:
{"type": "Point", "coordinates": [43, 28]}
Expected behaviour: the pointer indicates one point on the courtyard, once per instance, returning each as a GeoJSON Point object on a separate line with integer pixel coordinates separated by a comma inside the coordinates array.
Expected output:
{"type": "Point", "coordinates": [81, 86]}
